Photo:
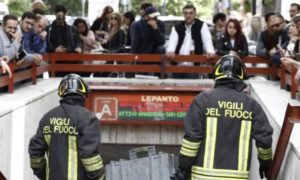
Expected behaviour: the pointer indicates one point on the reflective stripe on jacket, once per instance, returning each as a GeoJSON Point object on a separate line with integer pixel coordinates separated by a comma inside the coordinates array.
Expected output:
{"type": "Point", "coordinates": [219, 127]}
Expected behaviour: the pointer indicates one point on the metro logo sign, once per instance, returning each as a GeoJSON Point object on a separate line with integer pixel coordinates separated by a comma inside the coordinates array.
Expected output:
{"type": "Point", "coordinates": [139, 104]}
{"type": "Point", "coordinates": [136, 107]}
{"type": "Point", "coordinates": [106, 108]}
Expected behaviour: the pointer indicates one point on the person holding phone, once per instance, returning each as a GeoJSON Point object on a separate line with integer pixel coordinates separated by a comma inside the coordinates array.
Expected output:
{"type": "Point", "coordinates": [28, 20]}
{"type": "Point", "coordinates": [61, 37]}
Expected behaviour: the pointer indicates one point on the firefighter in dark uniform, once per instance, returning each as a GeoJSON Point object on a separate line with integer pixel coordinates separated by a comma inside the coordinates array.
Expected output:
{"type": "Point", "coordinates": [219, 127]}
{"type": "Point", "coordinates": [70, 136]}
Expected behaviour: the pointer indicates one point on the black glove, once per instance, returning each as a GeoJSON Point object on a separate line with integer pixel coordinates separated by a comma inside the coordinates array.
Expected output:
{"type": "Point", "coordinates": [41, 171]}
{"type": "Point", "coordinates": [264, 168]}
{"type": "Point", "coordinates": [180, 175]}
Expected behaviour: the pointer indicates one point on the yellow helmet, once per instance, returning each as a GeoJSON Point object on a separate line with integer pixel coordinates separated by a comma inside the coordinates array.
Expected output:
{"type": "Point", "coordinates": [72, 84]}
{"type": "Point", "coordinates": [229, 67]}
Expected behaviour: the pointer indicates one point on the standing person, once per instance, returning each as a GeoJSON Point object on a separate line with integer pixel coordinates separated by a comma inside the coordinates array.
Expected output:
{"type": "Point", "coordinates": [10, 42]}
{"type": "Point", "coordinates": [37, 37]}
{"type": "Point", "coordinates": [129, 19]}
{"type": "Point", "coordinates": [219, 127]}
{"type": "Point", "coordinates": [218, 28]}
{"type": "Point", "coordinates": [189, 36]}
{"type": "Point", "coordinates": [100, 25]}
{"type": "Point", "coordinates": [10, 37]}
{"type": "Point", "coordinates": [291, 47]}
{"type": "Point", "coordinates": [256, 27]}
{"type": "Point", "coordinates": [116, 33]}
{"type": "Point", "coordinates": [233, 41]}
{"type": "Point", "coordinates": [27, 24]}
{"type": "Point", "coordinates": [296, 39]}
{"type": "Point", "coordinates": [148, 36]}
{"type": "Point", "coordinates": [61, 37]}
{"type": "Point", "coordinates": [143, 7]}
{"type": "Point", "coordinates": [272, 37]}
{"type": "Point", "coordinates": [87, 36]}
{"type": "Point", "coordinates": [69, 135]}
{"type": "Point", "coordinates": [294, 10]}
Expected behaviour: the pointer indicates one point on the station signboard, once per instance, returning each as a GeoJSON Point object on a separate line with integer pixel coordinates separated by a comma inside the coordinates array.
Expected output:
{"type": "Point", "coordinates": [143, 106]}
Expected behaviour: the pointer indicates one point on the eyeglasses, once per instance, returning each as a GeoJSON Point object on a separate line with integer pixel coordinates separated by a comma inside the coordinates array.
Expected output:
{"type": "Point", "coordinates": [276, 25]}
{"type": "Point", "coordinates": [113, 18]}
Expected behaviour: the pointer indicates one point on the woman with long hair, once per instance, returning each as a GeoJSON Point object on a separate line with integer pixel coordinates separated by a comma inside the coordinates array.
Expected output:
{"type": "Point", "coordinates": [233, 40]}
{"type": "Point", "coordinates": [291, 47]}
{"type": "Point", "coordinates": [256, 27]}
{"type": "Point", "coordinates": [100, 25]}
{"type": "Point", "coordinates": [116, 33]}
{"type": "Point", "coordinates": [87, 36]}
{"type": "Point", "coordinates": [128, 19]}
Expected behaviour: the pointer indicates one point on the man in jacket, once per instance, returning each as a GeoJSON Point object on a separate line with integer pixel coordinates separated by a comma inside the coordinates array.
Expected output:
{"type": "Point", "coordinates": [10, 37]}
{"type": "Point", "coordinates": [148, 36]}
{"type": "Point", "coordinates": [27, 24]}
{"type": "Point", "coordinates": [275, 35]}
{"type": "Point", "coordinates": [219, 127]}
{"type": "Point", "coordinates": [62, 37]}
{"type": "Point", "coordinates": [70, 136]}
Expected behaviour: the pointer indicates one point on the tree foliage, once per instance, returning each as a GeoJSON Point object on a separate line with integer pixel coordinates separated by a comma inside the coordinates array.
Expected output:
{"type": "Point", "coordinates": [174, 7]}
{"type": "Point", "coordinates": [18, 7]}
{"type": "Point", "coordinates": [73, 6]}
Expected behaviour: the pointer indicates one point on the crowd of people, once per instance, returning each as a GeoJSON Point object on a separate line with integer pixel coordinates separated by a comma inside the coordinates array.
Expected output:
{"type": "Point", "coordinates": [217, 141]}
{"type": "Point", "coordinates": [28, 40]}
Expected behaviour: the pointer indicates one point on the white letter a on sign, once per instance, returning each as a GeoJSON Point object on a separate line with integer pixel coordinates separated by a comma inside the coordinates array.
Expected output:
{"type": "Point", "coordinates": [106, 110]}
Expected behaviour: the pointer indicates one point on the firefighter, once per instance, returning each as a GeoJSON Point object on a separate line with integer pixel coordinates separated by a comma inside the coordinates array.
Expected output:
{"type": "Point", "coordinates": [70, 136]}
{"type": "Point", "coordinates": [219, 127]}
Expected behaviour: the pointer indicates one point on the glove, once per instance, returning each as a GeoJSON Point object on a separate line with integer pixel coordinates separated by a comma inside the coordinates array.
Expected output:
{"type": "Point", "coordinates": [180, 175]}
{"type": "Point", "coordinates": [264, 168]}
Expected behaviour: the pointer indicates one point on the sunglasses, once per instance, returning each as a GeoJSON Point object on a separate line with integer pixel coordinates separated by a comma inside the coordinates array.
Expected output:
{"type": "Point", "coordinates": [276, 25]}
{"type": "Point", "coordinates": [113, 18]}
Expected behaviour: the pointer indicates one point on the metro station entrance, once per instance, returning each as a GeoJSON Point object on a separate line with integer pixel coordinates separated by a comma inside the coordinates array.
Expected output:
{"type": "Point", "coordinates": [144, 113]}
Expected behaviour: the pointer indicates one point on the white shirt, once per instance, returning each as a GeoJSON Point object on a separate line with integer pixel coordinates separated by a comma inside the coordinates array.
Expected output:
{"type": "Point", "coordinates": [232, 42]}
{"type": "Point", "coordinates": [188, 43]}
